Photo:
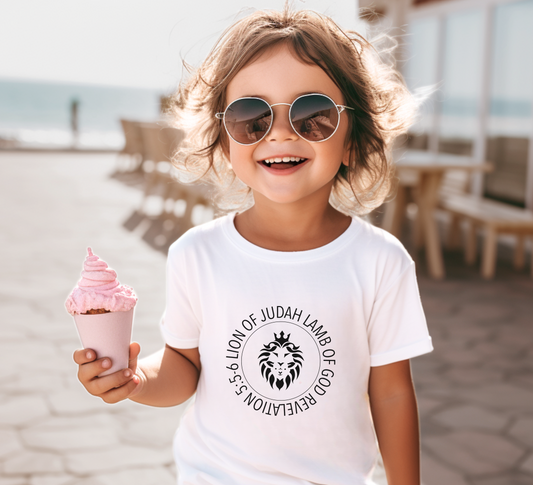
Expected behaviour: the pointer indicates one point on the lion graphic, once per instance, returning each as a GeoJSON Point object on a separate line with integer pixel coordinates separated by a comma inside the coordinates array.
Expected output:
{"type": "Point", "coordinates": [280, 361]}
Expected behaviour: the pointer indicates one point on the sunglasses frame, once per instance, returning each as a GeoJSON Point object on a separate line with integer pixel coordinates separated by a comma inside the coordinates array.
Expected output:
{"type": "Point", "coordinates": [340, 109]}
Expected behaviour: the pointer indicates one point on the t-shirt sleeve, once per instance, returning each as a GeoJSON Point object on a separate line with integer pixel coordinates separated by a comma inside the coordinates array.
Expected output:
{"type": "Point", "coordinates": [180, 325]}
{"type": "Point", "coordinates": [397, 328]}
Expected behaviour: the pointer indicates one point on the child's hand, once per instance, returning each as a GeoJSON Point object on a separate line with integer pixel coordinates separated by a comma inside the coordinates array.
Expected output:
{"type": "Point", "coordinates": [114, 387]}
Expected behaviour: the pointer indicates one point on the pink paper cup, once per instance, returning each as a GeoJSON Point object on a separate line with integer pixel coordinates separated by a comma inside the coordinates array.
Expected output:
{"type": "Point", "coordinates": [109, 335]}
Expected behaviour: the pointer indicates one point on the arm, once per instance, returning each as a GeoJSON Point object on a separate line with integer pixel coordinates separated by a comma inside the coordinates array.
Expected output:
{"type": "Point", "coordinates": [166, 378]}
{"type": "Point", "coordinates": [395, 415]}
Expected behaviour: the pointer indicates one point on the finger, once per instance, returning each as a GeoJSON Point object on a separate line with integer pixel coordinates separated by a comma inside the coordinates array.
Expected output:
{"type": "Point", "coordinates": [135, 350]}
{"type": "Point", "coordinates": [91, 370]}
{"type": "Point", "coordinates": [120, 393]}
{"type": "Point", "coordinates": [100, 386]}
{"type": "Point", "coordinates": [82, 356]}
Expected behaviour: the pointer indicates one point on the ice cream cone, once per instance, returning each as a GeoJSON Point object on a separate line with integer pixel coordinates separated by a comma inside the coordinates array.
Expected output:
{"type": "Point", "coordinates": [109, 335]}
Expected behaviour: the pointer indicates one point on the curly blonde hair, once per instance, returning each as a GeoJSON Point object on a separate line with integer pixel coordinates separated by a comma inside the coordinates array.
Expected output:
{"type": "Point", "coordinates": [382, 106]}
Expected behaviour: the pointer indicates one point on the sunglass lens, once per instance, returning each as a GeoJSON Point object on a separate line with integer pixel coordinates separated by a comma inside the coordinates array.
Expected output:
{"type": "Point", "coordinates": [248, 120]}
{"type": "Point", "coordinates": [314, 117]}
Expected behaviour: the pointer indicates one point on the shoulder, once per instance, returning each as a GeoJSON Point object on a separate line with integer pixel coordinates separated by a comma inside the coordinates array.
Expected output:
{"type": "Point", "coordinates": [198, 238]}
{"type": "Point", "coordinates": [385, 255]}
{"type": "Point", "coordinates": [380, 243]}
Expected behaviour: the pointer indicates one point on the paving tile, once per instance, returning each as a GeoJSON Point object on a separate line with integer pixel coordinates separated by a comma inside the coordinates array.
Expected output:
{"type": "Point", "coordinates": [29, 351]}
{"type": "Point", "coordinates": [453, 342]}
{"type": "Point", "coordinates": [18, 314]}
{"type": "Point", "coordinates": [471, 333]}
{"type": "Point", "coordinates": [35, 381]}
{"type": "Point", "coordinates": [92, 480]}
{"type": "Point", "coordinates": [13, 481]}
{"type": "Point", "coordinates": [517, 338]}
{"type": "Point", "coordinates": [61, 479]}
{"type": "Point", "coordinates": [75, 402]}
{"type": "Point", "coordinates": [139, 412]}
{"type": "Point", "coordinates": [438, 305]}
{"type": "Point", "coordinates": [157, 431]}
{"type": "Point", "coordinates": [438, 390]}
{"type": "Point", "coordinates": [475, 452]}
{"type": "Point", "coordinates": [53, 332]}
{"type": "Point", "coordinates": [116, 459]}
{"type": "Point", "coordinates": [22, 410]}
{"type": "Point", "coordinates": [456, 356]}
{"type": "Point", "coordinates": [500, 396]}
{"type": "Point", "coordinates": [75, 438]}
{"type": "Point", "coordinates": [13, 334]}
{"type": "Point", "coordinates": [28, 462]}
{"type": "Point", "coordinates": [465, 417]}
{"type": "Point", "coordinates": [527, 465]}
{"type": "Point", "coordinates": [522, 379]}
{"type": "Point", "coordinates": [511, 478]}
{"type": "Point", "coordinates": [493, 349]}
{"type": "Point", "coordinates": [474, 375]}
{"type": "Point", "coordinates": [423, 364]}
{"type": "Point", "coordinates": [137, 476]}
{"type": "Point", "coordinates": [434, 472]}
{"type": "Point", "coordinates": [9, 442]}
{"type": "Point", "coordinates": [523, 430]}
{"type": "Point", "coordinates": [507, 364]}
{"type": "Point", "coordinates": [482, 312]}
{"type": "Point", "coordinates": [426, 405]}
{"type": "Point", "coordinates": [428, 427]}
{"type": "Point", "coordinates": [97, 420]}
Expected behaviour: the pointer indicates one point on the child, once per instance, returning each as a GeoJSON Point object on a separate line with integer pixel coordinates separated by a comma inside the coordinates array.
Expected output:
{"type": "Point", "coordinates": [293, 320]}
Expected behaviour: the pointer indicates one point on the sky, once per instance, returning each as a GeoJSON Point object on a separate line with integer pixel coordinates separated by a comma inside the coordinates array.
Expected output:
{"type": "Point", "coordinates": [124, 42]}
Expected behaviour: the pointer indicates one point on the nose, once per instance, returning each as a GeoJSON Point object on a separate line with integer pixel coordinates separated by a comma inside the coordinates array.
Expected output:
{"type": "Point", "coordinates": [281, 129]}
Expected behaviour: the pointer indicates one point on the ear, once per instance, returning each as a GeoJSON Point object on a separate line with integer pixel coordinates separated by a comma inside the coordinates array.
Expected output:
{"type": "Point", "coordinates": [346, 155]}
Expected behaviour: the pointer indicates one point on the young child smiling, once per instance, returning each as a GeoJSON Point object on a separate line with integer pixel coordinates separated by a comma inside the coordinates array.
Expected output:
{"type": "Point", "coordinates": [291, 318]}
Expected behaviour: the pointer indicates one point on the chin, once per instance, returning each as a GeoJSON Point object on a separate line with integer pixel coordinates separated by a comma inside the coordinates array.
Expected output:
{"type": "Point", "coordinates": [283, 198]}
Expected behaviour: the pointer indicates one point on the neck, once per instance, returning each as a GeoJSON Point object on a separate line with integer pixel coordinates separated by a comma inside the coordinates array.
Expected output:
{"type": "Point", "coordinates": [298, 226]}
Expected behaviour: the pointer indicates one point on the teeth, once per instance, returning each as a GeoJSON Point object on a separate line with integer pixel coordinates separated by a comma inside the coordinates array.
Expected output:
{"type": "Point", "coordinates": [284, 159]}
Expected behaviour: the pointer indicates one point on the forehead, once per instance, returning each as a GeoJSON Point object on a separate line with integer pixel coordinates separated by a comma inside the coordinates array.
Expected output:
{"type": "Point", "coordinates": [278, 76]}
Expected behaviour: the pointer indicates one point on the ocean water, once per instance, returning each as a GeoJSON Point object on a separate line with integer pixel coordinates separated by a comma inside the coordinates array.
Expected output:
{"type": "Point", "coordinates": [38, 113]}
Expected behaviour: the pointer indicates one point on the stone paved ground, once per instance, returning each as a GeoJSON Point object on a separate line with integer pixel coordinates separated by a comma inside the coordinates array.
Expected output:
{"type": "Point", "coordinates": [475, 390]}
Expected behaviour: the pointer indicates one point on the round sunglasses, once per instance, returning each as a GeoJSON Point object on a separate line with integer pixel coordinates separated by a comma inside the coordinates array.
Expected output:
{"type": "Point", "coordinates": [314, 117]}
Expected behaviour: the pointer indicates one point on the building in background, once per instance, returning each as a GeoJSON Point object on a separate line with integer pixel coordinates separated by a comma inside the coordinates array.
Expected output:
{"type": "Point", "coordinates": [478, 56]}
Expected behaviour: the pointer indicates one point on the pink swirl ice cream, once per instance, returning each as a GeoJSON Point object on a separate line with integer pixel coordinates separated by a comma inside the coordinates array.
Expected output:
{"type": "Point", "coordinates": [99, 289]}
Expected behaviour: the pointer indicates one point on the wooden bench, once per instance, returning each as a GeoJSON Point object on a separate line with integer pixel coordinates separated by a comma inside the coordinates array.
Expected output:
{"type": "Point", "coordinates": [495, 218]}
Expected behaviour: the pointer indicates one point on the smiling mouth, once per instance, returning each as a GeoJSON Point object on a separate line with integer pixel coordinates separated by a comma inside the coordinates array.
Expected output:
{"type": "Point", "coordinates": [283, 163]}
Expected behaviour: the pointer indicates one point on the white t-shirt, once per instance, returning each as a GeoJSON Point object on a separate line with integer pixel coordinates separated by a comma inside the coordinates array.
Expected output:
{"type": "Point", "coordinates": [286, 342]}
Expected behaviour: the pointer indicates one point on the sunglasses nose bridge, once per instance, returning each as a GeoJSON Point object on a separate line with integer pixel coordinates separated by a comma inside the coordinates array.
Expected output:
{"type": "Point", "coordinates": [281, 126]}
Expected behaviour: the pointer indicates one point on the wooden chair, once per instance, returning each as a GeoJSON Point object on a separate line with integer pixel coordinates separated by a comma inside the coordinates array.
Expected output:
{"type": "Point", "coordinates": [158, 145]}
{"type": "Point", "coordinates": [493, 218]}
{"type": "Point", "coordinates": [180, 202]}
{"type": "Point", "coordinates": [176, 202]}
{"type": "Point", "coordinates": [133, 150]}
{"type": "Point", "coordinates": [160, 142]}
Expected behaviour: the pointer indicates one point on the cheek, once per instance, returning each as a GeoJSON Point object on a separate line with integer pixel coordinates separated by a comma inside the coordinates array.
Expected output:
{"type": "Point", "coordinates": [240, 157]}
